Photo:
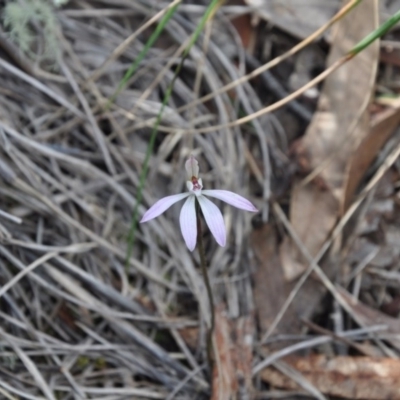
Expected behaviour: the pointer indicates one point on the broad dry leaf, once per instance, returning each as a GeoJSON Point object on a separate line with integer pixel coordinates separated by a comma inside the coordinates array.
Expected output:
{"type": "Point", "coordinates": [340, 124]}
{"type": "Point", "coordinates": [223, 380]}
{"type": "Point", "coordinates": [233, 340]}
{"type": "Point", "coordinates": [382, 127]}
{"type": "Point", "coordinates": [242, 330]}
{"type": "Point", "coordinates": [270, 286]}
{"type": "Point", "coordinates": [346, 377]}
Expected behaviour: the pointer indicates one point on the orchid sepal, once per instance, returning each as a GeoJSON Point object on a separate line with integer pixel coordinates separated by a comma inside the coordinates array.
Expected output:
{"type": "Point", "coordinates": [211, 213]}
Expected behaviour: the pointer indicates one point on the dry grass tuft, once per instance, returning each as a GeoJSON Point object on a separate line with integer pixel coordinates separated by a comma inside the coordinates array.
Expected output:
{"type": "Point", "coordinates": [74, 321]}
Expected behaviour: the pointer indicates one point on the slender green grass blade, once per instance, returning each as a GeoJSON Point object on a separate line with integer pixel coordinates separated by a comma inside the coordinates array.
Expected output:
{"type": "Point", "coordinates": [154, 36]}
{"type": "Point", "coordinates": [376, 34]}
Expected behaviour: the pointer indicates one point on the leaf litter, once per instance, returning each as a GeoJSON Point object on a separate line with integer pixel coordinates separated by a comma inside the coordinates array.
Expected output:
{"type": "Point", "coordinates": [75, 321]}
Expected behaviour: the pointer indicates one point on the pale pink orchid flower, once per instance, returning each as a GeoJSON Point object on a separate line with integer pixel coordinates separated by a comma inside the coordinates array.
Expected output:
{"type": "Point", "coordinates": [211, 212]}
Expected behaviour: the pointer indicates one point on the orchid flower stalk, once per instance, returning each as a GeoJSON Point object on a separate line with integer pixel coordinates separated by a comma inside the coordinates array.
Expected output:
{"type": "Point", "coordinates": [211, 212]}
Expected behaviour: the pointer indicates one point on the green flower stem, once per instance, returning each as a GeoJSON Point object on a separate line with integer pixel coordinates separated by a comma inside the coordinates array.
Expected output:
{"type": "Point", "coordinates": [203, 263]}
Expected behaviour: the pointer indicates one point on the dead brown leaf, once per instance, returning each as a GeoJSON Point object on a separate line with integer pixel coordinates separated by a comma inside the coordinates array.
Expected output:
{"type": "Point", "coordinates": [340, 124]}
{"type": "Point", "coordinates": [382, 127]}
{"type": "Point", "coordinates": [233, 340]}
{"type": "Point", "coordinates": [347, 377]}
{"type": "Point", "coordinates": [223, 381]}
{"type": "Point", "coordinates": [243, 332]}
{"type": "Point", "coordinates": [270, 287]}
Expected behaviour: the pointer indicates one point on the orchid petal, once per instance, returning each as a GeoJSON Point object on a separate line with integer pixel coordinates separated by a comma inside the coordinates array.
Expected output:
{"type": "Point", "coordinates": [214, 219]}
{"type": "Point", "coordinates": [188, 223]}
{"type": "Point", "coordinates": [162, 205]}
{"type": "Point", "coordinates": [231, 198]}
{"type": "Point", "coordinates": [192, 168]}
